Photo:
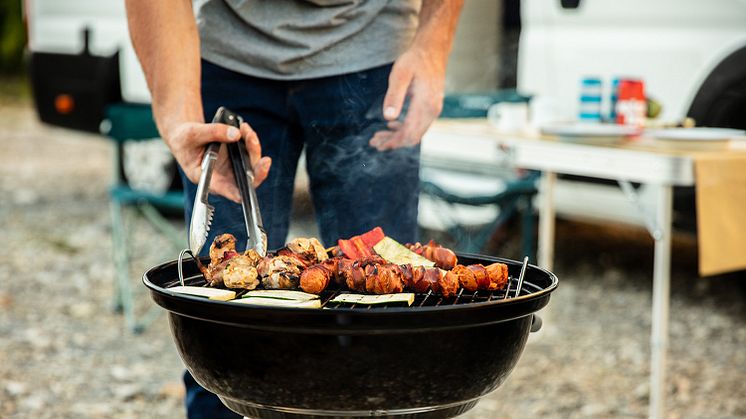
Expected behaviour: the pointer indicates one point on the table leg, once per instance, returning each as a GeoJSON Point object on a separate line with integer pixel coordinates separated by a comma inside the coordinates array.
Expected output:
{"type": "Point", "coordinates": [545, 251]}
{"type": "Point", "coordinates": [661, 299]}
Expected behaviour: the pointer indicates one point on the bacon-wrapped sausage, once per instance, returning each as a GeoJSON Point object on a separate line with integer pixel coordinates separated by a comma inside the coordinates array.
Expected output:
{"type": "Point", "coordinates": [317, 277]}
{"type": "Point", "coordinates": [383, 278]}
{"type": "Point", "coordinates": [477, 277]}
{"type": "Point", "coordinates": [444, 258]}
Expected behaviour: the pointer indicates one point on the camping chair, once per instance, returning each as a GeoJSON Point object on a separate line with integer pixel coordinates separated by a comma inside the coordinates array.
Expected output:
{"type": "Point", "coordinates": [500, 202]}
{"type": "Point", "coordinates": [126, 123]}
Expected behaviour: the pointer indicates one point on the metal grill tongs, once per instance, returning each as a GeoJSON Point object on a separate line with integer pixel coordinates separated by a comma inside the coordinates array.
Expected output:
{"type": "Point", "coordinates": [202, 212]}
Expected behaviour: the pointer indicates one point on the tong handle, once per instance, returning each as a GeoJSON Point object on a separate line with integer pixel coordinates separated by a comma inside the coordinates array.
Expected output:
{"type": "Point", "coordinates": [244, 174]}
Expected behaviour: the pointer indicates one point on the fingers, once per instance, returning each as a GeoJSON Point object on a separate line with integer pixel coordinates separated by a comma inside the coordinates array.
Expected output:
{"type": "Point", "coordinates": [260, 164]}
{"type": "Point", "coordinates": [261, 170]}
{"type": "Point", "coordinates": [419, 118]}
{"type": "Point", "coordinates": [399, 81]}
{"type": "Point", "coordinates": [202, 134]}
{"type": "Point", "coordinates": [253, 147]}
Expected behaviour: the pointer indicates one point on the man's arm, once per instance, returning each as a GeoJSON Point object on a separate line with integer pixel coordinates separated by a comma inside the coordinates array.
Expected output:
{"type": "Point", "coordinates": [420, 73]}
{"type": "Point", "coordinates": [164, 34]}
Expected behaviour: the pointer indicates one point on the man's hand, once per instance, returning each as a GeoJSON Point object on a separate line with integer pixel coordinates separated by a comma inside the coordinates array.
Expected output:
{"type": "Point", "coordinates": [422, 78]}
{"type": "Point", "coordinates": [420, 74]}
{"type": "Point", "coordinates": [188, 140]}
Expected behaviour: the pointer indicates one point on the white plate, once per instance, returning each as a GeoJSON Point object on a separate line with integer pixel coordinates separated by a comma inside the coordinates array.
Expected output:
{"type": "Point", "coordinates": [590, 130]}
{"type": "Point", "coordinates": [696, 134]}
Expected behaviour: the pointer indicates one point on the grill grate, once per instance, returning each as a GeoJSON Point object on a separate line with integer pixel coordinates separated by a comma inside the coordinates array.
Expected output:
{"type": "Point", "coordinates": [427, 299]}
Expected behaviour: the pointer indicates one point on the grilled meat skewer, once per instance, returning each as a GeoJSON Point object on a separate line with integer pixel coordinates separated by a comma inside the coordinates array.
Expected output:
{"type": "Point", "coordinates": [443, 257]}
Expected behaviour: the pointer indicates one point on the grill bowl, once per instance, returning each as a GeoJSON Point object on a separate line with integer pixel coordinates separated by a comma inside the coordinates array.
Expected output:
{"type": "Point", "coordinates": [425, 362]}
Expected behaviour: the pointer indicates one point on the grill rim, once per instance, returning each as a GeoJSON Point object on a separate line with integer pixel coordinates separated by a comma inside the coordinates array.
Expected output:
{"type": "Point", "coordinates": [351, 321]}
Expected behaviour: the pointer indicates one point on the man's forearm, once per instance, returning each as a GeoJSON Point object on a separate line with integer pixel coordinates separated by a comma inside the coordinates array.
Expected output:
{"type": "Point", "coordinates": [437, 26]}
{"type": "Point", "coordinates": [165, 38]}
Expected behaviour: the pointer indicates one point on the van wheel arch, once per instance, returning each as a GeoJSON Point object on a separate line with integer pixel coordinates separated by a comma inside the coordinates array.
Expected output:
{"type": "Point", "coordinates": [721, 99]}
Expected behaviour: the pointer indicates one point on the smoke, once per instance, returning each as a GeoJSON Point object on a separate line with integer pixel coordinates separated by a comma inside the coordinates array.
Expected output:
{"type": "Point", "coordinates": [369, 187]}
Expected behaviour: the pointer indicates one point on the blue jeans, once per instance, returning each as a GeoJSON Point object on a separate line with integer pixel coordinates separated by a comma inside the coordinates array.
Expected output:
{"type": "Point", "coordinates": [353, 186]}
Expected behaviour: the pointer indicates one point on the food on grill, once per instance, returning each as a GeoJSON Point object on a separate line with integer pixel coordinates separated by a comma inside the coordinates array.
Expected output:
{"type": "Point", "coordinates": [383, 267]}
{"type": "Point", "coordinates": [240, 272]}
{"type": "Point", "coordinates": [394, 252]}
{"type": "Point", "coordinates": [316, 278]}
{"type": "Point", "coordinates": [278, 302]}
{"type": "Point", "coordinates": [283, 298]}
{"type": "Point", "coordinates": [478, 277]}
{"type": "Point", "coordinates": [281, 295]}
{"type": "Point", "coordinates": [401, 298]}
{"type": "Point", "coordinates": [211, 293]}
{"type": "Point", "coordinates": [309, 251]}
{"type": "Point", "coordinates": [222, 248]}
{"type": "Point", "coordinates": [280, 272]}
{"type": "Point", "coordinates": [360, 246]}
{"type": "Point", "coordinates": [444, 258]}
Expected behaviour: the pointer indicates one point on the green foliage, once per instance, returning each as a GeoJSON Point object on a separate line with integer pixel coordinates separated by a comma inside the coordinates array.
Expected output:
{"type": "Point", "coordinates": [12, 36]}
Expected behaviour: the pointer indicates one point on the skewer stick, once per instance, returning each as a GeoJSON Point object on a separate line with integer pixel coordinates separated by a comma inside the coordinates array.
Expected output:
{"type": "Point", "coordinates": [520, 277]}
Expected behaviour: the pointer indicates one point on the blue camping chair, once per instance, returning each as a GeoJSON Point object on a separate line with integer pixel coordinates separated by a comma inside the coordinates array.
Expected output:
{"type": "Point", "coordinates": [126, 123]}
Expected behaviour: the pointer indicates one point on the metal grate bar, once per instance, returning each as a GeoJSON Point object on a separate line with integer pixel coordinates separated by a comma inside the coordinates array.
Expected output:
{"type": "Point", "coordinates": [429, 293]}
{"type": "Point", "coordinates": [460, 292]}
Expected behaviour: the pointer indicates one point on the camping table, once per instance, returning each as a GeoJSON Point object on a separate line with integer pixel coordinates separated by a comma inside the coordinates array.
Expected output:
{"type": "Point", "coordinates": [641, 160]}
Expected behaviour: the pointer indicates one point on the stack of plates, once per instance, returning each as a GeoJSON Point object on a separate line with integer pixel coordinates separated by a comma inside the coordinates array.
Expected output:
{"type": "Point", "coordinates": [696, 137]}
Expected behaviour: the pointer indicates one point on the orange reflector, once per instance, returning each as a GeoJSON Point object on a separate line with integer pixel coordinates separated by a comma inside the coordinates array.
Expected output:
{"type": "Point", "coordinates": [64, 104]}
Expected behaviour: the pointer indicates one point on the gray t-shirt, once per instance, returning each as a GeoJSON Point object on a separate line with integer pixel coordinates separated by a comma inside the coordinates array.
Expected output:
{"type": "Point", "coordinates": [301, 39]}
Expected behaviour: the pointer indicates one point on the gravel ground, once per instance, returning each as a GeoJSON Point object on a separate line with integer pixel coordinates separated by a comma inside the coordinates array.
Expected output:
{"type": "Point", "coordinates": [65, 354]}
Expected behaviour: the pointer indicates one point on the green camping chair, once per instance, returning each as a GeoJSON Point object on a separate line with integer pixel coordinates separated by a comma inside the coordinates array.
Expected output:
{"type": "Point", "coordinates": [126, 123]}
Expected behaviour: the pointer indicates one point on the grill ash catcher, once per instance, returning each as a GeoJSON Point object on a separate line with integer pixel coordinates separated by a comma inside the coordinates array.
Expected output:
{"type": "Point", "coordinates": [433, 359]}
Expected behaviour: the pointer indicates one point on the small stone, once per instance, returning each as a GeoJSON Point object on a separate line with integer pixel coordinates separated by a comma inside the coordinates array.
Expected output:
{"type": "Point", "coordinates": [593, 410]}
{"type": "Point", "coordinates": [82, 310]}
{"type": "Point", "coordinates": [120, 373]}
{"type": "Point", "coordinates": [126, 392]}
{"type": "Point", "coordinates": [15, 388]}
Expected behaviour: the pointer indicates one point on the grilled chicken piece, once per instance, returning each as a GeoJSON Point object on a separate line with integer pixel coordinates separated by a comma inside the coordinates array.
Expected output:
{"type": "Point", "coordinates": [498, 274]}
{"type": "Point", "coordinates": [480, 275]}
{"type": "Point", "coordinates": [309, 251]}
{"type": "Point", "coordinates": [214, 273]}
{"type": "Point", "coordinates": [447, 284]}
{"type": "Point", "coordinates": [280, 272]}
{"type": "Point", "coordinates": [240, 272]}
{"type": "Point", "coordinates": [444, 258]}
{"type": "Point", "coordinates": [465, 277]}
{"type": "Point", "coordinates": [223, 247]}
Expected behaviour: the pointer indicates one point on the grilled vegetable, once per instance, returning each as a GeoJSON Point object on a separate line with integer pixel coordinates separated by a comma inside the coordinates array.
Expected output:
{"type": "Point", "coordinates": [281, 295]}
{"type": "Point", "coordinates": [403, 297]}
{"type": "Point", "coordinates": [360, 246]}
{"type": "Point", "coordinates": [211, 293]}
{"type": "Point", "coordinates": [394, 252]}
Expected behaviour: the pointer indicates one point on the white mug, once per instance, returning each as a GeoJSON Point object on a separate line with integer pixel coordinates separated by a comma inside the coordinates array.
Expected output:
{"type": "Point", "coordinates": [509, 117]}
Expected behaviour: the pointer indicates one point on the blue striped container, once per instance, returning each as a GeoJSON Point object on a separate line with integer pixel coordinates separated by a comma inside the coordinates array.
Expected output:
{"type": "Point", "coordinates": [591, 92]}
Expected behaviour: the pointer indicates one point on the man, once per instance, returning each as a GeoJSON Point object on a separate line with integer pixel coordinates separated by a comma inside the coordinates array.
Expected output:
{"type": "Point", "coordinates": [332, 76]}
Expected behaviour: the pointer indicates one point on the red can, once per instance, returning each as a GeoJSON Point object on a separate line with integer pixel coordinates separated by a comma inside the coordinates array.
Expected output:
{"type": "Point", "coordinates": [631, 107]}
